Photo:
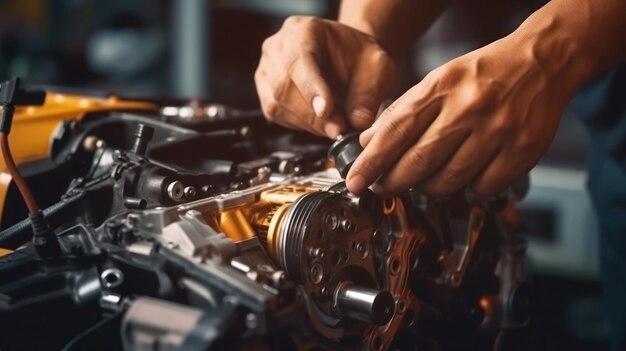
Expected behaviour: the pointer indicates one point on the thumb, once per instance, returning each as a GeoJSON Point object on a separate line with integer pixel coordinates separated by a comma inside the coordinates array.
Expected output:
{"type": "Point", "coordinates": [371, 82]}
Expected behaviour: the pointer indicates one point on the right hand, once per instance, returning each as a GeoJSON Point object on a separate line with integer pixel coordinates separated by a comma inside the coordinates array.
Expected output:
{"type": "Point", "coordinates": [322, 76]}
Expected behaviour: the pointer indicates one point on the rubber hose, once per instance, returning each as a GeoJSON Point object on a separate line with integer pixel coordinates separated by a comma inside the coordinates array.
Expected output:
{"type": "Point", "coordinates": [22, 232]}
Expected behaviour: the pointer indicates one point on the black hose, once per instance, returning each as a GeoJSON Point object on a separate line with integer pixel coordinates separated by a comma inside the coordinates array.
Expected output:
{"type": "Point", "coordinates": [57, 214]}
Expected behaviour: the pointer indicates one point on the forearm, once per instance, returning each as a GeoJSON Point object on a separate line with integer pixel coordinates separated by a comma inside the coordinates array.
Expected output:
{"type": "Point", "coordinates": [576, 40]}
{"type": "Point", "coordinates": [395, 24]}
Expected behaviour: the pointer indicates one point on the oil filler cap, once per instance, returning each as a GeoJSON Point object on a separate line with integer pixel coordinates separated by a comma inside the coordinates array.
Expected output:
{"type": "Point", "coordinates": [344, 151]}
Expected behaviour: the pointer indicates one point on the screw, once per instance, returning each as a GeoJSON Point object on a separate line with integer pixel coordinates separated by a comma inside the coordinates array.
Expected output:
{"type": "Point", "coordinates": [316, 252]}
{"type": "Point", "coordinates": [401, 305]}
{"type": "Point", "coordinates": [361, 248]}
{"type": "Point", "coordinates": [252, 322]}
{"type": "Point", "coordinates": [317, 273]}
{"type": "Point", "coordinates": [189, 192]}
{"type": "Point", "coordinates": [175, 190]}
{"type": "Point", "coordinates": [395, 265]}
{"type": "Point", "coordinates": [112, 278]}
{"type": "Point", "coordinates": [244, 131]}
{"type": "Point", "coordinates": [278, 278]}
{"type": "Point", "coordinates": [347, 226]}
{"type": "Point", "coordinates": [263, 268]}
{"type": "Point", "coordinates": [332, 221]}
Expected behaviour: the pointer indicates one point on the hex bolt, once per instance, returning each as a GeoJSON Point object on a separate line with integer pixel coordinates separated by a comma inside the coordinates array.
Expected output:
{"type": "Point", "coordinates": [347, 225]}
{"type": "Point", "coordinates": [361, 248]}
{"type": "Point", "coordinates": [278, 278]}
{"type": "Point", "coordinates": [189, 192]}
{"type": "Point", "coordinates": [332, 221]}
{"type": "Point", "coordinates": [401, 305]}
{"type": "Point", "coordinates": [395, 265]}
{"type": "Point", "coordinates": [252, 321]}
{"type": "Point", "coordinates": [175, 190]}
{"type": "Point", "coordinates": [316, 252]}
{"type": "Point", "coordinates": [317, 273]}
{"type": "Point", "coordinates": [112, 278]}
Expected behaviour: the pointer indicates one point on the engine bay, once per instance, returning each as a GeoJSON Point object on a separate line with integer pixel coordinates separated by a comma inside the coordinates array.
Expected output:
{"type": "Point", "coordinates": [192, 227]}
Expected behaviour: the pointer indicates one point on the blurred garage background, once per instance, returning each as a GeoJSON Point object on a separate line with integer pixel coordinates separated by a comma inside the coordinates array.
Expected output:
{"type": "Point", "coordinates": [208, 50]}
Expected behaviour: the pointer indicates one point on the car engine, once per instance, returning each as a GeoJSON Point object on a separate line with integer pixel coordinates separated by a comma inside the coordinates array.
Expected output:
{"type": "Point", "coordinates": [202, 227]}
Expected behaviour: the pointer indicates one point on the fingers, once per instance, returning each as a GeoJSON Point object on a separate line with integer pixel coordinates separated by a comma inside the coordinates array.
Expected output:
{"type": "Point", "coordinates": [500, 173]}
{"type": "Point", "coordinates": [466, 164]}
{"type": "Point", "coordinates": [296, 113]}
{"type": "Point", "coordinates": [372, 81]}
{"type": "Point", "coordinates": [307, 78]}
{"type": "Point", "coordinates": [396, 129]}
{"type": "Point", "coordinates": [434, 149]}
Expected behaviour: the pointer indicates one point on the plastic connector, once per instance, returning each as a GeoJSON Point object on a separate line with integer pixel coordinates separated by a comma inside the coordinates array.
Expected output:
{"type": "Point", "coordinates": [44, 240]}
{"type": "Point", "coordinates": [6, 118]}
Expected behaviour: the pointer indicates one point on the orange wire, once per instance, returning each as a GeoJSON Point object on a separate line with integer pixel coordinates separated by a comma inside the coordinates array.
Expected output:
{"type": "Point", "coordinates": [27, 195]}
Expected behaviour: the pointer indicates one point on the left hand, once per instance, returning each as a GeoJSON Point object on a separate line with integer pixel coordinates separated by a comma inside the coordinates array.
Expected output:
{"type": "Point", "coordinates": [483, 120]}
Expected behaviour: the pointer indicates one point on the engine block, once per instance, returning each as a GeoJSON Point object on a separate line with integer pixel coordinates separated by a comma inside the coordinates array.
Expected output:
{"type": "Point", "coordinates": [219, 230]}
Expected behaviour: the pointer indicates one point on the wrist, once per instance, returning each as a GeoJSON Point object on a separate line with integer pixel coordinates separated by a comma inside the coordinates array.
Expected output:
{"type": "Point", "coordinates": [574, 41]}
{"type": "Point", "coordinates": [556, 51]}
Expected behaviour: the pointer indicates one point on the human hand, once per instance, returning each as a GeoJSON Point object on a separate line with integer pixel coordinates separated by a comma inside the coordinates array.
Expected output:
{"type": "Point", "coordinates": [482, 119]}
{"type": "Point", "coordinates": [322, 76]}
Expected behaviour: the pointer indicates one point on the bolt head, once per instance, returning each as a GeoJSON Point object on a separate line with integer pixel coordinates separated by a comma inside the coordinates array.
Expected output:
{"type": "Point", "coordinates": [252, 321]}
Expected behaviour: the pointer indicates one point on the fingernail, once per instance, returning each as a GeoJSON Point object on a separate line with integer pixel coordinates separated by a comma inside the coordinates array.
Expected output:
{"type": "Point", "coordinates": [378, 189]}
{"type": "Point", "coordinates": [356, 183]}
{"type": "Point", "coordinates": [366, 136]}
{"type": "Point", "coordinates": [319, 104]}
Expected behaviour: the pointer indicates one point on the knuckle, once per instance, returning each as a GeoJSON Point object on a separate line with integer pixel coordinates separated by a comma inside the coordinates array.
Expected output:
{"type": "Point", "coordinates": [501, 125]}
{"type": "Point", "coordinates": [448, 76]}
{"type": "Point", "coordinates": [267, 46]}
{"type": "Point", "coordinates": [292, 20]}
{"type": "Point", "coordinates": [473, 100]}
{"type": "Point", "coordinates": [390, 108]}
{"type": "Point", "coordinates": [302, 22]}
{"type": "Point", "coordinates": [417, 159]}
{"type": "Point", "coordinates": [525, 142]}
{"type": "Point", "coordinates": [270, 109]}
{"type": "Point", "coordinates": [310, 22]}
{"type": "Point", "coordinates": [279, 90]}
{"type": "Point", "coordinates": [452, 178]}
{"type": "Point", "coordinates": [394, 129]}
